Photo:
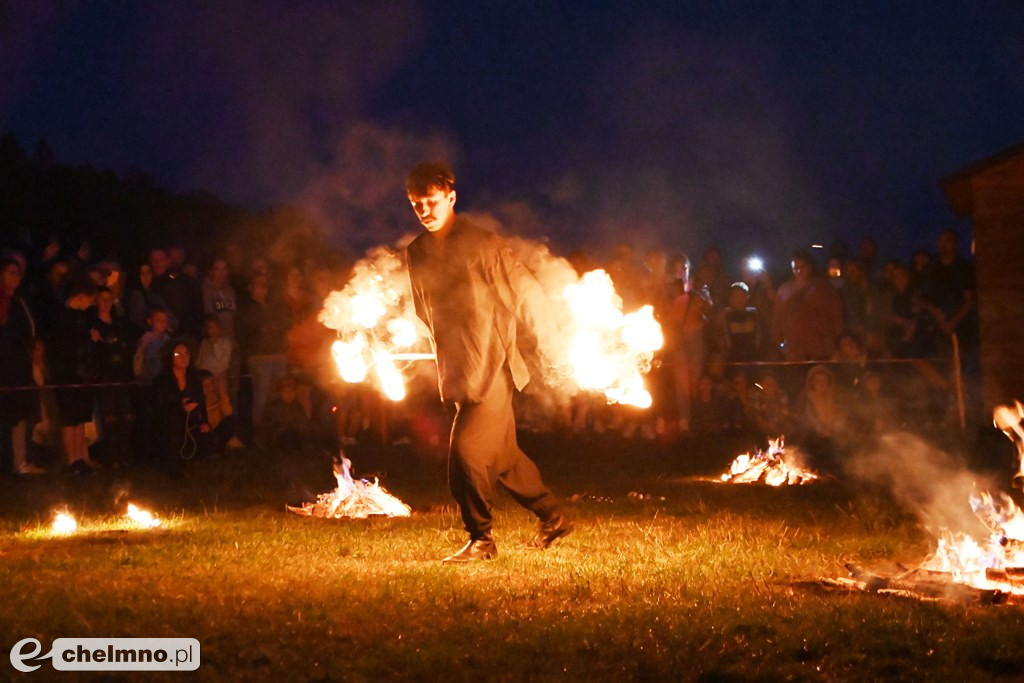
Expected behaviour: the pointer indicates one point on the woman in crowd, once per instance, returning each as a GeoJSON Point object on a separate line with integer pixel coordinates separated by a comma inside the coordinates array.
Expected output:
{"type": "Point", "coordinates": [180, 410]}
{"type": "Point", "coordinates": [112, 350]}
{"type": "Point", "coordinates": [17, 332]}
{"type": "Point", "coordinates": [141, 297]}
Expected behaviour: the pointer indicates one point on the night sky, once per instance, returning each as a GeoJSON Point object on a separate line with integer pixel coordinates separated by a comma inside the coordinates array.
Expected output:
{"type": "Point", "coordinates": [755, 125]}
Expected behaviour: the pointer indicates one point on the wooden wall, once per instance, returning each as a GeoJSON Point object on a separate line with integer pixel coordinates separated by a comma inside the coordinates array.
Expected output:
{"type": "Point", "coordinates": [997, 212]}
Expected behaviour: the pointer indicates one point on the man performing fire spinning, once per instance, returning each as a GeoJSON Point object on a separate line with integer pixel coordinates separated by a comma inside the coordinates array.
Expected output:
{"type": "Point", "coordinates": [483, 309]}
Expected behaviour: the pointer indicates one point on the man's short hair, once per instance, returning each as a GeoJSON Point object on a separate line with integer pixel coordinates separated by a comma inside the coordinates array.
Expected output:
{"type": "Point", "coordinates": [430, 175]}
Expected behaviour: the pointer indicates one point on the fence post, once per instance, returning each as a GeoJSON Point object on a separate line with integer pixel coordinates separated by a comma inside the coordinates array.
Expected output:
{"type": "Point", "coordinates": [958, 383]}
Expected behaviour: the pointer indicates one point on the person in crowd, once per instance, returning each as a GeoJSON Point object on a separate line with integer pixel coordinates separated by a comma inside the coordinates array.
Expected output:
{"type": "Point", "coordinates": [769, 407]}
{"type": "Point", "coordinates": [219, 415]}
{"type": "Point", "coordinates": [709, 277]}
{"type": "Point", "coordinates": [296, 296]}
{"type": "Point", "coordinates": [285, 423]}
{"type": "Point", "coordinates": [741, 391]}
{"type": "Point", "coordinates": [147, 362]}
{"type": "Point", "coordinates": [822, 410]}
{"type": "Point", "coordinates": [48, 308]}
{"type": "Point", "coordinates": [851, 358]}
{"type": "Point", "coordinates": [859, 298]}
{"type": "Point", "coordinates": [948, 293]}
{"type": "Point", "coordinates": [262, 324]}
{"type": "Point", "coordinates": [141, 298]}
{"type": "Point", "coordinates": [874, 410]}
{"type": "Point", "coordinates": [219, 298]}
{"type": "Point", "coordinates": [920, 262]}
{"type": "Point", "coordinates": [739, 326]}
{"type": "Point", "coordinates": [710, 411]}
{"type": "Point", "coordinates": [17, 402]}
{"type": "Point", "coordinates": [113, 353]}
{"type": "Point", "coordinates": [834, 271]}
{"type": "Point", "coordinates": [69, 355]}
{"type": "Point", "coordinates": [179, 291]}
{"type": "Point", "coordinates": [177, 260]}
{"type": "Point", "coordinates": [900, 316]}
{"type": "Point", "coordinates": [683, 326]}
{"type": "Point", "coordinates": [181, 428]}
{"type": "Point", "coordinates": [808, 313]}
{"type": "Point", "coordinates": [626, 275]}
{"type": "Point", "coordinates": [867, 259]}
{"type": "Point", "coordinates": [761, 297]}
{"type": "Point", "coordinates": [215, 352]}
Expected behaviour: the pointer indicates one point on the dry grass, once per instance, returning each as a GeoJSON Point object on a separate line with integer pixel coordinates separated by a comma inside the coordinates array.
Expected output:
{"type": "Point", "coordinates": [698, 586]}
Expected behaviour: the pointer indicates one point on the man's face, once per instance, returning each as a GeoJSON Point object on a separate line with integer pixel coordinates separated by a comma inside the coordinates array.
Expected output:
{"type": "Point", "coordinates": [435, 209]}
{"type": "Point", "coordinates": [158, 262]}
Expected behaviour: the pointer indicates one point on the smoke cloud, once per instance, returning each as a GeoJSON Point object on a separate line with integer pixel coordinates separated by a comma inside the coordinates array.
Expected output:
{"type": "Point", "coordinates": [931, 483]}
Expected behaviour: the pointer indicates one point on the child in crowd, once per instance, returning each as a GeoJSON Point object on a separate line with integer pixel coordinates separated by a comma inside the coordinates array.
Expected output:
{"type": "Point", "coordinates": [215, 353]}
{"type": "Point", "coordinates": [219, 413]}
{"type": "Point", "coordinates": [740, 327]}
{"type": "Point", "coordinates": [147, 362]}
{"type": "Point", "coordinates": [285, 423]}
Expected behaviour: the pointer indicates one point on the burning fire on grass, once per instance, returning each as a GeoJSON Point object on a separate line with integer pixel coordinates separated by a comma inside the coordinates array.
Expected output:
{"type": "Point", "coordinates": [354, 499]}
{"type": "Point", "coordinates": [996, 561]}
{"type": "Point", "coordinates": [597, 348]}
{"type": "Point", "coordinates": [774, 467]}
{"type": "Point", "coordinates": [134, 517]}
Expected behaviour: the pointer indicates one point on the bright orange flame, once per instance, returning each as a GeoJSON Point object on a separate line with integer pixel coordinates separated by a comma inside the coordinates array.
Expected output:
{"type": "Point", "coordinates": [774, 467]}
{"type": "Point", "coordinates": [376, 324]}
{"type": "Point", "coordinates": [609, 351]}
{"type": "Point", "coordinates": [142, 517]}
{"type": "Point", "coordinates": [64, 523]}
{"type": "Point", "coordinates": [356, 499]}
{"type": "Point", "coordinates": [982, 563]}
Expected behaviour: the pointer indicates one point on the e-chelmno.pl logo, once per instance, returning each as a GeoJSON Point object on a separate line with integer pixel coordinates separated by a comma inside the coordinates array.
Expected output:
{"type": "Point", "coordinates": [109, 654]}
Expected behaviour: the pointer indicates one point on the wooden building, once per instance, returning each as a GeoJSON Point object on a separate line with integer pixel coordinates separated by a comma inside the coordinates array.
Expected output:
{"type": "Point", "coordinates": [991, 193]}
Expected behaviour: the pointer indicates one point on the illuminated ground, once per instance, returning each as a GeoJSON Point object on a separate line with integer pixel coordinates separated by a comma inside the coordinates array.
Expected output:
{"type": "Point", "coordinates": [700, 585]}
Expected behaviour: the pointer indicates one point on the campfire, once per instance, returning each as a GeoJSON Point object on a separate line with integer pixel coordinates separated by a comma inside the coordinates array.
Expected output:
{"type": "Point", "coordinates": [353, 499]}
{"type": "Point", "coordinates": [997, 561]}
{"type": "Point", "coordinates": [965, 568]}
{"type": "Point", "coordinates": [598, 348]}
{"type": "Point", "coordinates": [774, 467]}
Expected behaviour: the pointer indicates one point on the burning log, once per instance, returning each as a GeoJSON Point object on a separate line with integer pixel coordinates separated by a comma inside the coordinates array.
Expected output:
{"type": "Point", "coordinates": [353, 499]}
{"type": "Point", "coordinates": [920, 585]}
{"type": "Point", "coordinates": [773, 467]}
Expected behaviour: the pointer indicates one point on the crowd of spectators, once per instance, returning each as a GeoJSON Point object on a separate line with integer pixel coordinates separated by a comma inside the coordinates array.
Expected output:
{"type": "Point", "coordinates": [169, 360]}
{"type": "Point", "coordinates": [103, 367]}
{"type": "Point", "coordinates": [857, 348]}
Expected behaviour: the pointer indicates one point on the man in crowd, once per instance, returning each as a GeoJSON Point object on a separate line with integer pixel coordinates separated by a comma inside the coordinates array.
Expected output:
{"type": "Point", "coordinates": [482, 307]}
{"type": "Point", "coordinates": [808, 313]}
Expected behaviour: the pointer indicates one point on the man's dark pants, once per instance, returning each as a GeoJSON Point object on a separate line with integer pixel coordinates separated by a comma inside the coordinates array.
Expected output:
{"type": "Point", "coordinates": [484, 452]}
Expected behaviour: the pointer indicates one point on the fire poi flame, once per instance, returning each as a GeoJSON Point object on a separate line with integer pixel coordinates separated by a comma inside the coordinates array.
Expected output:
{"type": "Point", "coordinates": [601, 348]}
{"type": "Point", "coordinates": [355, 499]}
{"type": "Point", "coordinates": [376, 324]}
{"type": "Point", "coordinates": [610, 350]}
{"type": "Point", "coordinates": [996, 562]}
{"type": "Point", "coordinates": [64, 523]}
{"type": "Point", "coordinates": [143, 518]}
{"type": "Point", "coordinates": [774, 467]}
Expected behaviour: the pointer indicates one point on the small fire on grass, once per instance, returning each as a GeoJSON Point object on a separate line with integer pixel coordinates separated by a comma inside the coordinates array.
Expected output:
{"type": "Point", "coordinates": [141, 517]}
{"type": "Point", "coordinates": [995, 562]}
{"type": "Point", "coordinates": [774, 467]}
{"type": "Point", "coordinates": [354, 499]}
{"type": "Point", "coordinates": [64, 524]}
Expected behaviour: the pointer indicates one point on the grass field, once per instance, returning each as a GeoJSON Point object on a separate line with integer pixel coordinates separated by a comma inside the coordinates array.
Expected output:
{"type": "Point", "coordinates": [695, 581]}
